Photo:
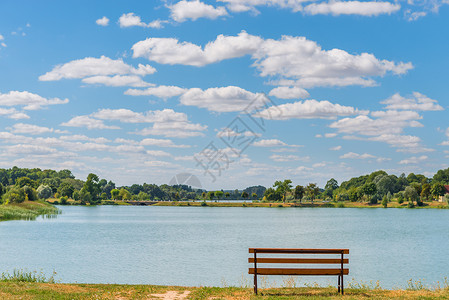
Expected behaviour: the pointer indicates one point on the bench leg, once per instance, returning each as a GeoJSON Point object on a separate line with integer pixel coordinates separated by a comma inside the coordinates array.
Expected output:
{"type": "Point", "coordinates": [255, 284]}
{"type": "Point", "coordinates": [339, 284]}
{"type": "Point", "coordinates": [342, 286]}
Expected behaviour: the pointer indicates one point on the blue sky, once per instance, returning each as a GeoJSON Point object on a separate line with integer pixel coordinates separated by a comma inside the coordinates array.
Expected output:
{"type": "Point", "coordinates": [236, 92]}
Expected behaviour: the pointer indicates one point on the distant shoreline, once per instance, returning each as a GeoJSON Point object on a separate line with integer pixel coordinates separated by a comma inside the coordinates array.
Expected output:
{"type": "Point", "coordinates": [250, 203]}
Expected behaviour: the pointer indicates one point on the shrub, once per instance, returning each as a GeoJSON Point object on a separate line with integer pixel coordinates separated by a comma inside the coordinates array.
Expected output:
{"type": "Point", "coordinates": [63, 200]}
{"type": "Point", "coordinates": [44, 191]}
{"type": "Point", "coordinates": [411, 204]}
{"type": "Point", "coordinates": [203, 203]}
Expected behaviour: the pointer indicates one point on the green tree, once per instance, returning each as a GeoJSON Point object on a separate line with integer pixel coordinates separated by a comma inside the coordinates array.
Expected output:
{"type": "Point", "coordinates": [312, 191]}
{"type": "Point", "coordinates": [410, 194]}
{"type": "Point", "coordinates": [210, 195]}
{"type": "Point", "coordinates": [330, 187]}
{"type": "Point", "coordinates": [115, 193]}
{"type": "Point", "coordinates": [142, 196]}
{"type": "Point", "coordinates": [437, 190]}
{"type": "Point", "coordinates": [299, 192]}
{"type": "Point", "coordinates": [44, 192]}
{"type": "Point", "coordinates": [14, 195]}
{"type": "Point", "coordinates": [227, 194]}
{"type": "Point", "coordinates": [283, 187]}
{"type": "Point", "coordinates": [245, 195]}
{"type": "Point", "coordinates": [23, 181]}
{"type": "Point", "coordinates": [219, 194]}
{"type": "Point", "coordinates": [369, 189]}
{"type": "Point", "coordinates": [66, 189]}
{"type": "Point", "coordinates": [92, 187]}
{"type": "Point", "coordinates": [385, 201]}
{"type": "Point", "coordinates": [254, 195]}
{"type": "Point", "coordinates": [30, 193]}
{"type": "Point", "coordinates": [124, 194]}
{"type": "Point", "coordinates": [425, 192]}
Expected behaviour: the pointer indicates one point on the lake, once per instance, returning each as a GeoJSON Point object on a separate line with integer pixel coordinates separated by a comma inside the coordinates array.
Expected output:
{"type": "Point", "coordinates": [196, 246]}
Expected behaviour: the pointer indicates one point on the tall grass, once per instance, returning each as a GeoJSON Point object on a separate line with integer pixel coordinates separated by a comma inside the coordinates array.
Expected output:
{"type": "Point", "coordinates": [27, 211]}
{"type": "Point", "coordinates": [25, 276]}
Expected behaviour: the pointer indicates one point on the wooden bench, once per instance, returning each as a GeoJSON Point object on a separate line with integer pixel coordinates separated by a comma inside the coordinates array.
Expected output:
{"type": "Point", "coordinates": [331, 257]}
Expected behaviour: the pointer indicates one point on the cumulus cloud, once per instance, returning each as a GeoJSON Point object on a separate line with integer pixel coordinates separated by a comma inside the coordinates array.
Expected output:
{"type": "Point", "coordinates": [174, 129]}
{"type": "Point", "coordinates": [91, 66]}
{"type": "Point", "coordinates": [284, 92]}
{"type": "Point", "coordinates": [286, 158]}
{"type": "Point", "coordinates": [129, 116]}
{"type": "Point", "coordinates": [301, 61]}
{"type": "Point", "coordinates": [417, 102]}
{"type": "Point", "coordinates": [30, 129]}
{"type": "Point", "coordinates": [130, 20]}
{"type": "Point", "coordinates": [269, 143]}
{"type": "Point", "coordinates": [193, 10]}
{"type": "Point", "coordinates": [352, 155]}
{"type": "Point", "coordinates": [161, 143]}
{"type": "Point", "coordinates": [250, 5]}
{"type": "Point", "coordinates": [413, 160]}
{"type": "Point", "coordinates": [171, 51]}
{"type": "Point", "coordinates": [386, 122]}
{"type": "Point", "coordinates": [103, 21]}
{"type": "Point", "coordinates": [366, 8]}
{"type": "Point", "coordinates": [308, 109]}
{"type": "Point", "coordinates": [117, 80]}
{"type": "Point", "coordinates": [28, 100]}
{"type": "Point", "coordinates": [162, 91]}
{"type": "Point", "coordinates": [223, 99]}
{"type": "Point", "coordinates": [88, 122]}
{"type": "Point", "coordinates": [336, 148]}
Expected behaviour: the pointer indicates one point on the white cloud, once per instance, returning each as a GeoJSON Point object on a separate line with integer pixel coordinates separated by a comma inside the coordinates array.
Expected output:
{"type": "Point", "coordinates": [174, 129]}
{"type": "Point", "coordinates": [269, 143]}
{"type": "Point", "coordinates": [304, 62]}
{"type": "Point", "coordinates": [103, 21]}
{"type": "Point", "coordinates": [29, 100]}
{"type": "Point", "coordinates": [161, 143]}
{"type": "Point", "coordinates": [413, 16]}
{"type": "Point", "coordinates": [117, 80]}
{"type": "Point", "coordinates": [285, 158]}
{"type": "Point", "coordinates": [336, 148]}
{"type": "Point", "coordinates": [171, 51]}
{"type": "Point", "coordinates": [250, 5]}
{"type": "Point", "coordinates": [91, 66]}
{"type": "Point", "coordinates": [129, 20]}
{"type": "Point", "coordinates": [30, 129]}
{"type": "Point", "coordinates": [161, 91]}
{"type": "Point", "coordinates": [418, 102]}
{"type": "Point", "coordinates": [89, 123]}
{"type": "Point", "coordinates": [184, 10]}
{"type": "Point", "coordinates": [330, 135]}
{"type": "Point", "coordinates": [413, 160]}
{"type": "Point", "coordinates": [284, 92]}
{"type": "Point", "coordinates": [387, 122]}
{"type": "Point", "coordinates": [353, 155]}
{"type": "Point", "coordinates": [2, 37]}
{"type": "Point", "coordinates": [366, 8]}
{"type": "Point", "coordinates": [129, 116]}
{"type": "Point", "coordinates": [157, 153]}
{"type": "Point", "coordinates": [222, 99]}
{"type": "Point", "coordinates": [308, 109]}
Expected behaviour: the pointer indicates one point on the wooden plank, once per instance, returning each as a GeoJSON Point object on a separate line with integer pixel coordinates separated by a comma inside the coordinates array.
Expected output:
{"type": "Point", "coordinates": [292, 250]}
{"type": "Point", "coordinates": [319, 272]}
{"type": "Point", "coordinates": [298, 260]}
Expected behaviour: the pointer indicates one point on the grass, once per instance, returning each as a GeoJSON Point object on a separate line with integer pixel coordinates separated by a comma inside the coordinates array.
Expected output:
{"type": "Point", "coordinates": [28, 210]}
{"type": "Point", "coordinates": [37, 290]}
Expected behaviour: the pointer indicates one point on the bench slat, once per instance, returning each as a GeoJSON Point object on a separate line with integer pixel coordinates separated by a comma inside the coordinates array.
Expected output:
{"type": "Point", "coordinates": [306, 251]}
{"type": "Point", "coordinates": [270, 260]}
{"type": "Point", "coordinates": [272, 271]}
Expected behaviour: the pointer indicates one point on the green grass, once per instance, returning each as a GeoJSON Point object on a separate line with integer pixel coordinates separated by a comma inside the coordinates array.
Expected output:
{"type": "Point", "coordinates": [28, 210]}
{"type": "Point", "coordinates": [36, 290]}
{"type": "Point", "coordinates": [25, 276]}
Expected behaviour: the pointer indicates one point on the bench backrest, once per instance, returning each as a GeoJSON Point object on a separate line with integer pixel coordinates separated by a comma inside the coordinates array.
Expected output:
{"type": "Point", "coordinates": [330, 257]}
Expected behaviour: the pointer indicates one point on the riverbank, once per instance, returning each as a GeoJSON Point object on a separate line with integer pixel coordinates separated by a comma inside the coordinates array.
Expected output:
{"type": "Point", "coordinates": [249, 203]}
{"type": "Point", "coordinates": [28, 210]}
{"type": "Point", "coordinates": [27, 290]}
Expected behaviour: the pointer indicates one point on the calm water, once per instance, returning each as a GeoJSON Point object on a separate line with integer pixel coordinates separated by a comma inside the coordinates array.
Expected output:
{"type": "Point", "coordinates": [209, 246]}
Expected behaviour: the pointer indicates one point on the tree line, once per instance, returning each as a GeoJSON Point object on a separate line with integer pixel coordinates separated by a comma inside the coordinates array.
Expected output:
{"type": "Point", "coordinates": [21, 184]}
{"type": "Point", "coordinates": [373, 188]}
